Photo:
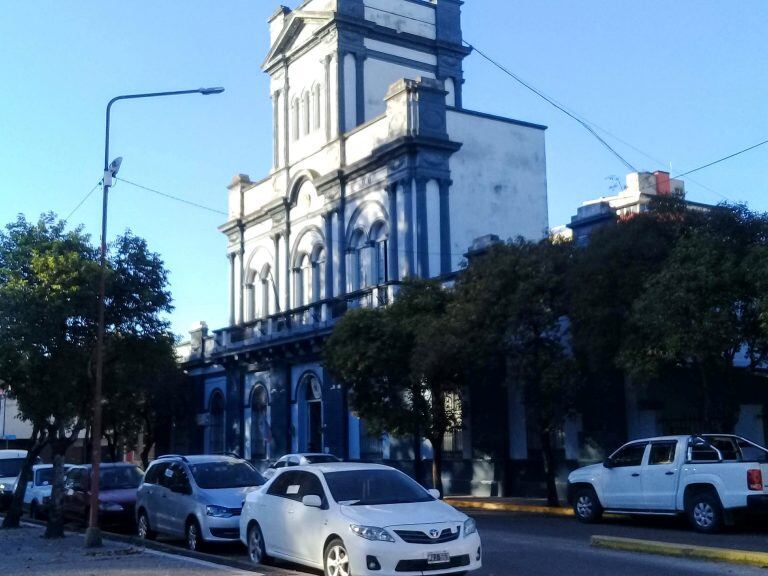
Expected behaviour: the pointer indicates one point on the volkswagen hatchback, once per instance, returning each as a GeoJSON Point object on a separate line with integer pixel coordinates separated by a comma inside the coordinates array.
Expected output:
{"type": "Point", "coordinates": [360, 519]}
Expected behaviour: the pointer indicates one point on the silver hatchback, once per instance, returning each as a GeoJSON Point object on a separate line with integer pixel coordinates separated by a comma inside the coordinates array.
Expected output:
{"type": "Point", "coordinates": [198, 498]}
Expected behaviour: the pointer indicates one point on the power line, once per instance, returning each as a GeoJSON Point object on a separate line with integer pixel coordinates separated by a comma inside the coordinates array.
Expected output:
{"type": "Point", "coordinates": [172, 197]}
{"type": "Point", "coordinates": [553, 103]}
{"type": "Point", "coordinates": [88, 195]}
{"type": "Point", "coordinates": [723, 159]}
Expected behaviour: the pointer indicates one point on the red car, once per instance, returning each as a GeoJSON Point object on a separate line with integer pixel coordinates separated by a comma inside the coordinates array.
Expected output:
{"type": "Point", "coordinates": [117, 493]}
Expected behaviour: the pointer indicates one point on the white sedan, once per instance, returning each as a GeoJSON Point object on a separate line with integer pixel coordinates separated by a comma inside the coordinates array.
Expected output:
{"type": "Point", "coordinates": [361, 519]}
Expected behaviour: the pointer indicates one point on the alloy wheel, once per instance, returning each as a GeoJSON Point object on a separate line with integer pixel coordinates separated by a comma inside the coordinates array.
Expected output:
{"type": "Point", "coordinates": [143, 527]}
{"type": "Point", "coordinates": [192, 536]}
{"type": "Point", "coordinates": [337, 561]}
{"type": "Point", "coordinates": [255, 546]}
{"type": "Point", "coordinates": [584, 506]}
{"type": "Point", "coordinates": [703, 514]}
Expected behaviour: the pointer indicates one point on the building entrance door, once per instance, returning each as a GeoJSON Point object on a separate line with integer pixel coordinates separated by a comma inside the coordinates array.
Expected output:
{"type": "Point", "coordinates": [315, 426]}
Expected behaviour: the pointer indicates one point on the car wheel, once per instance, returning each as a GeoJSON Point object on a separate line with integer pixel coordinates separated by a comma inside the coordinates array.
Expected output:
{"type": "Point", "coordinates": [142, 527]}
{"type": "Point", "coordinates": [586, 506]}
{"type": "Point", "coordinates": [257, 551]}
{"type": "Point", "coordinates": [336, 559]}
{"type": "Point", "coordinates": [705, 512]}
{"type": "Point", "coordinates": [194, 539]}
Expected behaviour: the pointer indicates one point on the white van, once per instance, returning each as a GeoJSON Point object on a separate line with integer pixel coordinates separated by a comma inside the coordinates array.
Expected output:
{"type": "Point", "coordinates": [11, 462]}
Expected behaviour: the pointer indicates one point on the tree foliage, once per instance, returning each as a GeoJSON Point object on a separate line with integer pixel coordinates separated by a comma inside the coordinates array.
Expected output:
{"type": "Point", "coordinates": [48, 308]}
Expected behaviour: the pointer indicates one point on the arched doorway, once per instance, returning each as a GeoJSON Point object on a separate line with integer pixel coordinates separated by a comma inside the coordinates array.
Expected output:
{"type": "Point", "coordinates": [259, 424]}
{"type": "Point", "coordinates": [311, 414]}
{"type": "Point", "coordinates": [216, 427]}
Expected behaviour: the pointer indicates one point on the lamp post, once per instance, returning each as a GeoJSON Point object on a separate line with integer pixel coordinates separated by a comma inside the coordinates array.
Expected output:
{"type": "Point", "coordinates": [93, 534]}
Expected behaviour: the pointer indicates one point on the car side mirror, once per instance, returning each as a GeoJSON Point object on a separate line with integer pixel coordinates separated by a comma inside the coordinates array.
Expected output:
{"type": "Point", "coordinates": [608, 463]}
{"type": "Point", "coordinates": [434, 493]}
{"type": "Point", "coordinates": [312, 501]}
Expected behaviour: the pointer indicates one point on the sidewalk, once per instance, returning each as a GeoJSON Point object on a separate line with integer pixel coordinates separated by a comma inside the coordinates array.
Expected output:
{"type": "Point", "coordinates": [518, 505]}
{"type": "Point", "coordinates": [25, 551]}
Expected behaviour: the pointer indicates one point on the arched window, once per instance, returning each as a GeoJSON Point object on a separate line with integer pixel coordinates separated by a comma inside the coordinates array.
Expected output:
{"type": "Point", "coordinates": [305, 111]}
{"type": "Point", "coordinates": [313, 393]}
{"type": "Point", "coordinates": [379, 246]}
{"type": "Point", "coordinates": [216, 427]}
{"type": "Point", "coordinates": [316, 106]}
{"type": "Point", "coordinates": [305, 281]}
{"type": "Point", "coordinates": [318, 273]}
{"type": "Point", "coordinates": [358, 276]}
{"type": "Point", "coordinates": [259, 424]}
{"type": "Point", "coordinates": [295, 119]}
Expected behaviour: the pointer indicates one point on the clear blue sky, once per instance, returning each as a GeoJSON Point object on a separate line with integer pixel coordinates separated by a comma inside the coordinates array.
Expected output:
{"type": "Point", "coordinates": [686, 82]}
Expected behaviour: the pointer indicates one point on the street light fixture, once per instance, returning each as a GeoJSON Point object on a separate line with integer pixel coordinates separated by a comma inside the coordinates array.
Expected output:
{"type": "Point", "coordinates": [93, 533]}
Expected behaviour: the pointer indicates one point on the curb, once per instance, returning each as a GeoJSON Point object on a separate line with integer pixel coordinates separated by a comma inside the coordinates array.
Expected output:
{"type": "Point", "coordinates": [509, 507]}
{"type": "Point", "coordinates": [728, 555]}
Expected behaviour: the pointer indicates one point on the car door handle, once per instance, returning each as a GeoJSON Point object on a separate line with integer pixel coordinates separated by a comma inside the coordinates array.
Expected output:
{"type": "Point", "coordinates": [635, 474]}
{"type": "Point", "coordinates": [669, 473]}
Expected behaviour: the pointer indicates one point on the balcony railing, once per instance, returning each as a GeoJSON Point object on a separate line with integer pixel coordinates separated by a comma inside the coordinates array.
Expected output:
{"type": "Point", "coordinates": [289, 324]}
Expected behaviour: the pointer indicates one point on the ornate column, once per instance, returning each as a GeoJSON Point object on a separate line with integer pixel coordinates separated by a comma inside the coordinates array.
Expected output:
{"type": "Point", "coordinates": [231, 257]}
{"type": "Point", "coordinates": [276, 130]}
{"type": "Point", "coordinates": [410, 269]}
{"type": "Point", "coordinates": [445, 227]}
{"type": "Point", "coordinates": [276, 272]}
{"type": "Point", "coordinates": [341, 244]}
{"type": "Point", "coordinates": [422, 238]}
{"type": "Point", "coordinates": [393, 265]}
{"type": "Point", "coordinates": [360, 59]}
{"type": "Point", "coordinates": [329, 253]}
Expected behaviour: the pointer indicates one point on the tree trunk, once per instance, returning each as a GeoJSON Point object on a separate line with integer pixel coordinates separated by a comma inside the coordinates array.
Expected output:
{"type": "Point", "coordinates": [437, 464]}
{"type": "Point", "coordinates": [550, 466]}
{"type": "Point", "coordinates": [55, 527]}
{"type": "Point", "coordinates": [13, 516]}
{"type": "Point", "coordinates": [418, 463]}
{"type": "Point", "coordinates": [148, 442]}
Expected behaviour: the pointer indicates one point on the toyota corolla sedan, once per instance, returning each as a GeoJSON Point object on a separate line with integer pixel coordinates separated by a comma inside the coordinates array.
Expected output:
{"type": "Point", "coordinates": [361, 519]}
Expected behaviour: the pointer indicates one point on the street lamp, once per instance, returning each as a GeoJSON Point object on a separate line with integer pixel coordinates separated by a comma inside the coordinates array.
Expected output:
{"type": "Point", "coordinates": [93, 534]}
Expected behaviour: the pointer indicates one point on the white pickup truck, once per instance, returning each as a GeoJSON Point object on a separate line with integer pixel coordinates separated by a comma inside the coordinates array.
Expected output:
{"type": "Point", "coordinates": [708, 477]}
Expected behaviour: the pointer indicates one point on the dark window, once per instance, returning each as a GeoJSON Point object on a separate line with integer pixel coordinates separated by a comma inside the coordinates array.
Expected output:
{"type": "Point", "coordinates": [662, 453]}
{"type": "Point", "coordinates": [119, 477]}
{"type": "Point", "coordinates": [701, 452]}
{"type": "Point", "coordinates": [320, 458]}
{"type": "Point", "coordinates": [310, 486]}
{"type": "Point", "coordinates": [286, 485]}
{"type": "Point", "coordinates": [293, 461]}
{"type": "Point", "coordinates": [750, 453]}
{"type": "Point", "coordinates": [225, 474]}
{"type": "Point", "coordinates": [10, 467]}
{"type": "Point", "coordinates": [217, 424]}
{"type": "Point", "coordinates": [155, 473]}
{"type": "Point", "coordinates": [77, 479]}
{"type": "Point", "coordinates": [631, 455]}
{"type": "Point", "coordinates": [280, 464]}
{"type": "Point", "coordinates": [361, 487]}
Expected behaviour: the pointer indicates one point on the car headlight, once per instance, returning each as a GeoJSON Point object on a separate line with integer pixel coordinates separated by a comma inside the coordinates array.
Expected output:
{"type": "Point", "coordinates": [372, 533]}
{"type": "Point", "coordinates": [110, 507]}
{"type": "Point", "coordinates": [469, 527]}
{"type": "Point", "coordinates": [218, 511]}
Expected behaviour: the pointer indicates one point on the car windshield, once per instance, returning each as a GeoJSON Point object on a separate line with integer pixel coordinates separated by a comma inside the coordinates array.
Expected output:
{"type": "Point", "coordinates": [11, 467]}
{"type": "Point", "coordinates": [362, 487]}
{"type": "Point", "coordinates": [215, 475]}
{"type": "Point", "coordinates": [119, 478]}
{"type": "Point", "coordinates": [320, 458]}
{"type": "Point", "coordinates": [44, 477]}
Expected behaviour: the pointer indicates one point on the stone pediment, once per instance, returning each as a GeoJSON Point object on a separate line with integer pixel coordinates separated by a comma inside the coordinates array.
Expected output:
{"type": "Point", "coordinates": [300, 27]}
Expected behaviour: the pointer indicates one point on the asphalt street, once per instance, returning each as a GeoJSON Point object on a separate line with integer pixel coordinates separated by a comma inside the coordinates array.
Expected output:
{"type": "Point", "coordinates": [546, 546]}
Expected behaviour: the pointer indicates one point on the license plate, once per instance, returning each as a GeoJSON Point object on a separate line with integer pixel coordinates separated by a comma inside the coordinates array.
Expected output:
{"type": "Point", "coordinates": [438, 558]}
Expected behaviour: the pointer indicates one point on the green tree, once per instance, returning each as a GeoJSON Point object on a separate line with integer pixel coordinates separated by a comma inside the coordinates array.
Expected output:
{"type": "Point", "coordinates": [702, 309]}
{"type": "Point", "coordinates": [48, 303]}
{"type": "Point", "coordinates": [514, 300]}
{"type": "Point", "coordinates": [401, 367]}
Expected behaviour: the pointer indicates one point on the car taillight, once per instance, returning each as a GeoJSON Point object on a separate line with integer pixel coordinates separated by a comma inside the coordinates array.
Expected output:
{"type": "Point", "coordinates": [755, 479]}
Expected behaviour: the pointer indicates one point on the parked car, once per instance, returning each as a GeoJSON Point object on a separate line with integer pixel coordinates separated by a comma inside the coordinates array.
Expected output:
{"type": "Point", "coordinates": [37, 496]}
{"type": "Point", "coordinates": [117, 492]}
{"type": "Point", "coordinates": [707, 477]}
{"type": "Point", "coordinates": [197, 497]}
{"type": "Point", "coordinates": [361, 519]}
{"type": "Point", "coordinates": [11, 462]}
{"type": "Point", "coordinates": [302, 459]}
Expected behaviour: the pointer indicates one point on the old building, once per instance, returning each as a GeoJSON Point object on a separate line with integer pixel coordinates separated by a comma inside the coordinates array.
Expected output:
{"type": "Point", "coordinates": [378, 173]}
